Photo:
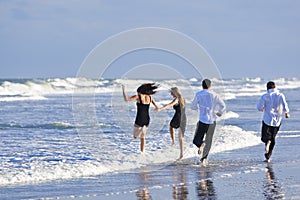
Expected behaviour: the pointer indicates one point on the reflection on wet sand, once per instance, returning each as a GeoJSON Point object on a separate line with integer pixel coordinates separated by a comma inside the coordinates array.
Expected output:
{"type": "Point", "coordinates": [180, 191]}
{"type": "Point", "coordinates": [147, 179]}
{"type": "Point", "coordinates": [272, 188]}
{"type": "Point", "coordinates": [143, 193]}
{"type": "Point", "coordinates": [205, 188]}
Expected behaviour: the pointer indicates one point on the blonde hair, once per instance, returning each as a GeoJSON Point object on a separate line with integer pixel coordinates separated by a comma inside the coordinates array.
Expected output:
{"type": "Point", "coordinates": [177, 93]}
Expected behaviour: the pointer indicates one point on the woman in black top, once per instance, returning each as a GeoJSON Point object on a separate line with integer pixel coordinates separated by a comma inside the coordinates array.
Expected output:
{"type": "Point", "coordinates": [179, 119]}
{"type": "Point", "coordinates": [143, 100]}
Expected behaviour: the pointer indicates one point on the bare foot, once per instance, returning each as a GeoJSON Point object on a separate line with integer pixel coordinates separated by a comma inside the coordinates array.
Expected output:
{"type": "Point", "coordinates": [204, 162]}
{"type": "Point", "coordinates": [180, 157]}
{"type": "Point", "coordinates": [201, 148]}
{"type": "Point", "coordinates": [267, 146]}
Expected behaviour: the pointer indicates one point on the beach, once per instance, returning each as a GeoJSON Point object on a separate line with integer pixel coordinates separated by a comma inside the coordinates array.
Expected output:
{"type": "Point", "coordinates": [47, 153]}
{"type": "Point", "coordinates": [230, 175]}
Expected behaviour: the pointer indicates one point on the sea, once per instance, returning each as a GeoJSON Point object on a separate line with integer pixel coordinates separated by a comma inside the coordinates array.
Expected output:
{"type": "Point", "coordinates": [69, 138]}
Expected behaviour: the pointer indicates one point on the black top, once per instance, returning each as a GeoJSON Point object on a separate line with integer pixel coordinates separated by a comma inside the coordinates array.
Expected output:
{"type": "Point", "coordinates": [142, 116]}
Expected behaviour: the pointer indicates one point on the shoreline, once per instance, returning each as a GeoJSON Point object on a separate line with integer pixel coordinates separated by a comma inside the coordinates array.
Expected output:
{"type": "Point", "coordinates": [229, 175]}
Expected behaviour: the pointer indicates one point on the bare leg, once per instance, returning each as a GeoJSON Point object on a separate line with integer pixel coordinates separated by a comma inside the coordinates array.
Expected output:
{"type": "Point", "coordinates": [181, 144]}
{"type": "Point", "coordinates": [172, 133]}
{"type": "Point", "coordinates": [270, 144]}
{"type": "Point", "coordinates": [136, 132]}
{"type": "Point", "coordinates": [204, 161]}
{"type": "Point", "coordinates": [267, 146]}
{"type": "Point", "coordinates": [143, 141]}
{"type": "Point", "coordinates": [201, 148]}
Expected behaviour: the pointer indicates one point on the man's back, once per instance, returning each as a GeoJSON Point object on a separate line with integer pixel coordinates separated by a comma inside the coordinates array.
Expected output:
{"type": "Point", "coordinates": [272, 103]}
{"type": "Point", "coordinates": [208, 102]}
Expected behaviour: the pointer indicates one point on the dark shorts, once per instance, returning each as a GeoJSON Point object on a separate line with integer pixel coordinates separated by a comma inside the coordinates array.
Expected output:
{"type": "Point", "coordinates": [268, 132]}
{"type": "Point", "coordinates": [200, 132]}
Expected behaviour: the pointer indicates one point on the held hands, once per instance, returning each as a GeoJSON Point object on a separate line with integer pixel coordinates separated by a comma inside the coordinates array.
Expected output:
{"type": "Point", "coordinates": [218, 114]}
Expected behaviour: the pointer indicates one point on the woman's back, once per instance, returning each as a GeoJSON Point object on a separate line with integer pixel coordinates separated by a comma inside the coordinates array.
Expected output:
{"type": "Point", "coordinates": [142, 116]}
{"type": "Point", "coordinates": [144, 99]}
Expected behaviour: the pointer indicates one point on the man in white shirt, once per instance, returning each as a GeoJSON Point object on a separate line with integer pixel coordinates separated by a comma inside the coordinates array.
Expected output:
{"type": "Point", "coordinates": [273, 104]}
{"type": "Point", "coordinates": [210, 105]}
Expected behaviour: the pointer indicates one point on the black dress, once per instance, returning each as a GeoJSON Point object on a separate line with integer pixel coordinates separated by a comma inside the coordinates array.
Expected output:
{"type": "Point", "coordinates": [142, 116]}
{"type": "Point", "coordinates": [179, 118]}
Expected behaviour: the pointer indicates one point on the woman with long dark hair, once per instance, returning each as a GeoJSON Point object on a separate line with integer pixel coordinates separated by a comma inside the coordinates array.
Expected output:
{"type": "Point", "coordinates": [143, 100]}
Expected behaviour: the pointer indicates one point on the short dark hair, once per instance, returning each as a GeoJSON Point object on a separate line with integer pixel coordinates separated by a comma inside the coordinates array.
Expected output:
{"type": "Point", "coordinates": [270, 85]}
{"type": "Point", "coordinates": [206, 83]}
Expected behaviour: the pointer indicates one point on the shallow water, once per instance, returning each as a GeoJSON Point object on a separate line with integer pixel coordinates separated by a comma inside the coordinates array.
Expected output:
{"type": "Point", "coordinates": [229, 175]}
{"type": "Point", "coordinates": [47, 152]}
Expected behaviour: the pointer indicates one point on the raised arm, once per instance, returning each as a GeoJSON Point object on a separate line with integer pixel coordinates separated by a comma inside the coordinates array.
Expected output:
{"type": "Point", "coordinates": [126, 98]}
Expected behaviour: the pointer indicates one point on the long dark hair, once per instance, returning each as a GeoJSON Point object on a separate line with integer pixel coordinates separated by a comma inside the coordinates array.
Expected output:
{"type": "Point", "coordinates": [148, 88]}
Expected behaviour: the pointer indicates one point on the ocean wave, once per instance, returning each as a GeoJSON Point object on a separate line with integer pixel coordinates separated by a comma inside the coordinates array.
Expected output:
{"type": "Point", "coordinates": [39, 172]}
{"type": "Point", "coordinates": [233, 137]}
{"type": "Point", "coordinates": [229, 115]}
{"type": "Point", "coordinates": [37, 89]}
{"type": "Point", "coordinates": [55, 125]}
{"type": "Point", "coordinates": [47, 167]}
{"type": "Point", "coordinates": [8, 98]}
{"type": "Point", "coordinates": [289, 133]}
{"type": "Point", "coordinates": [58, 125]}
{"type": "Point", "coordinates": [288, 136]}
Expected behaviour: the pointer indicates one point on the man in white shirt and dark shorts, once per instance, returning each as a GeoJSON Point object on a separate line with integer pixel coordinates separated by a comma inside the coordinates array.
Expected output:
{"type": "Point", "coordinates": [272, 103]}
{"type": "Point", "coordinates": [210, 105]}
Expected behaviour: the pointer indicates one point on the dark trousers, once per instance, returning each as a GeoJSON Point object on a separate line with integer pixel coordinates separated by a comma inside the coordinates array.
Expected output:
{"type": "Point", "coordinates": [202, 130]}
{"type": "Point", "coordinates": [269, 133]}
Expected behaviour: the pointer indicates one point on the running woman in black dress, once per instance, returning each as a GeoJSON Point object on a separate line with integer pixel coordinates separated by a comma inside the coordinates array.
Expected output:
{"type": "Point", "coordinates": [179, 119]}
{"type": "Point", "coordinates": [143, 101]}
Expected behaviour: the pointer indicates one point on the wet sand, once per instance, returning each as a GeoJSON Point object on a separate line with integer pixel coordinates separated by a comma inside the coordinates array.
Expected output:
{"type": "Point", "coordinates": [238, 174]}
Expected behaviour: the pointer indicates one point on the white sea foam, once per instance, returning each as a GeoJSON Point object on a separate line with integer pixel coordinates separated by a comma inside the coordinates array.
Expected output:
{"type": "Point", "coordinates": [40, 172]}
{"type": "Point", "coordinates": [23, 98]}
{"type": "Point", "coordinates": [290, 131]}
{"type": "Point", "coordinates": [229, 115]}
{"type": "Point", "coordinates": [38, 154]}
{"type": "Point", "coordinates": [157, 152]}
{"type": "Point", "coordinates": [288, 136]}
{"type": "Point", "coordinates": [233, 137]}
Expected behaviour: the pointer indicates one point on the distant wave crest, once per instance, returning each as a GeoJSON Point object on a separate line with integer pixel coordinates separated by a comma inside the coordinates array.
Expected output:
{"type": "Point", "coordinates": [58, 125]}
{"type": "Point", "coordinates": [38, 89]}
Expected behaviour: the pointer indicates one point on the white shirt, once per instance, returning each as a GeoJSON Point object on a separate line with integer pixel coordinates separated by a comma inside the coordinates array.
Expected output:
{"type": "Point", "coordinates": [208, 103]}
{"type": "Point", "coordinates": [272, 104]}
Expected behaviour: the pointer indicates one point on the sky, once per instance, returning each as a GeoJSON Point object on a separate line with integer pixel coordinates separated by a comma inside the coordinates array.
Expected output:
{"type": "Point", "coordinates": [52, 38]}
